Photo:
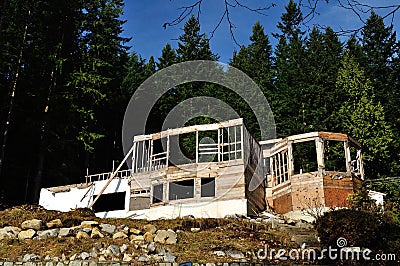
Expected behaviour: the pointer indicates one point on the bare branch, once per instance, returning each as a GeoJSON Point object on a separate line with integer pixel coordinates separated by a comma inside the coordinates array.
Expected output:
{"type": "Point", "coordinates": [309, 7]}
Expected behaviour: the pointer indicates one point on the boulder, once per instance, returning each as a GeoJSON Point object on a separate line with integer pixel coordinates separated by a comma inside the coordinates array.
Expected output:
{"type": "Point", "coordinates": [169, 257]}
{"type": "Point", "coordinates": [81, 235]}
{"type": "Point", "coordinates": [65, 232]}
{"type": "Point", "coordinates": [108, 228]}
{"type": "Point", "coordinates": [32, 224]}
{"type": "Point", "coordinates": [149, 228]}
{"type": "Point", "coordinates": [54, 224]}
{"type": "Point", "coordinates": [148, 237]}
{"type": "Point", "coordinates": [48, 233]}
{"type": "Point", "coordinates": [165, 237]}
{"type": "Point", "coordinates": [120, 235]}
{"type": "Point", "coordinates": [236, 254]}
{"type": "Point", "coordinates": [135, 238]}
{"type": "Point", "coordinates": [85, 255]}
{"type": "Point", "coordinates": [26, 234]}
{"type": "Point", "coordinates": [96, 233]}
{"type": "Point", "coordinates": [123, 248]}
{"type": "Point", "coordinates": [195, 229]}
{"type": "Point", "coordinates": [113, 249]}
{"type": "Point", "coordinates": [10, 232]}
{"type": "Point", "coordinates": [89, 224]}
{"type": "Point", "coordinates": [134, 231]}
{"type": "Point", "coordinates": [127, 258]}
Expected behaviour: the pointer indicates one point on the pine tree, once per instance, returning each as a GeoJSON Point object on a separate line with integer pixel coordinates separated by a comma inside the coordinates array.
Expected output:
{"type": "Point", "coordinates": [194, 45]}
{"type": "Point", "coordinates": [168, 57]}
{"type": "Point", "coordinates": [363, 117]}
{"type": "Point", "coordinates": [290, 74]}
{"type": "Point", "coordinates": [256, 61]}
{"type": "Point", "coordinates": [323, 56]}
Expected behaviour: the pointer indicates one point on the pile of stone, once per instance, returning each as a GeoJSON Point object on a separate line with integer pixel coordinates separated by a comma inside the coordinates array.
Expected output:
{"type": "Point", "coordinates": [143, 241]}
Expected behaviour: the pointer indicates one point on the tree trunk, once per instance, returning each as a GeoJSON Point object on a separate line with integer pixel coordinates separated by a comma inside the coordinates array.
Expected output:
{"type": "Point", "coordinates": [45, 126]}
{"type": "Point", "coordinates": [12, 97]}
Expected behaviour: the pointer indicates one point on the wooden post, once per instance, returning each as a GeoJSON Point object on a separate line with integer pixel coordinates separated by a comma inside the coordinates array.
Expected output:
{"type": "Point", "coordinates": [168, 151]}
{"type": "Point", "coordinates": [279, 167]}
{"type": "Point", "coordinates": [319, 146]}
{"type": "Point", "coordinates": [112, 177]}
{"type": "Point", "coordinates": [87, 175]}
{"type": "Point", "coordinates": [235, 144]}
{"type": "Point", "coordinates": [242, 141]}
{"type": "Point", "coordinates": [151, 155]}
{"type": "Point", "coordinates": [134, 168]}
{"type": "Point", "coordinates": [360, 159]}
{"type": "Point", "coordinates": [219, 144]}
{"type": "Point", "coordinates": [347, 156]}
{"type": "Point", "coordinates": [290, 158]}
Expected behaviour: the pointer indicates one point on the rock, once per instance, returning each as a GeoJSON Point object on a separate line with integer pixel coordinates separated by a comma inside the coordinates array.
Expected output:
{"type": "Point", "coordinates": [114, 249]}
{"type": "Point", "coordinates": [87, 230]}
{"type": "Point", "coordinates": [47, 258]}
{"type": "Point", "coordinates": [160, 236]}
{"type": "Point", "coordinates": [127, 257]}
{"type": "Point", "coordinates": [125, 230]}
{"type": "Point", "coordinates": [63, 257]}
{"type": "Point", "coordinates": [108, 228]}
{"type": "Point", "coordinates": [143, 259]}
{"type": "Point", "coordinates": [120, 235]}
{"type": "Point", "coordinates": [151, 247]}
{"type": "Point", "coordinates": [10, 232]}
{"type": "Point", "coordinates": [74, 257]}
{"type": "Point", "coordinates": [65, 232]}
{"type": "Point", "coordinates": [231, 216]}
{"type": "Point", "coordinates": [236, 254]}
{"type": "Point", "coordinates": [26, 234]}
{"type": "Point", "coordinates": [11, 229]}
{"type": "Point", "coordinates": [134, 231]}
{"type": "Point", "coordinates": [123, 248]}
{"type": "Point", "coordinates": [135, 238]}
{"type": "Point", "coordinates": [96, 233]}
{"type": "Point", "coordinates": [169, 257]}
{"type": "Point", "coordinates": [47, 233]}
{"type": "Point", "coordinates": [149, 228]}
{"type": "Point", "coordinates": [29, 257]}
{"type": "Point", "coordinates": [167, 237]}
{"type": "Point", "coordinates": [148, 237]}
{"type": "Point", "coordinates": [32, 224]}
{"type": "Point", "coordinates": [102, 258]}
{"type": "Point", "coordinates": [81, 235]}
{"type": "Point", "coordinates": [194, 229]}
{"type": "Point", "coordinates": [75, 263]}
{"type": "Point", "coordinates": [89, 224]}
{"type": "Point", "coordinates": [93, 254]}
{"type": "Point", "coordinates": [54, 224]}
{"type": "Point", "coordinates": [161, 251]}
{"type": "Point", "coordinates": [171, 240]}
{"type": "Point", "coordinates": [188, 217]}
{"type": "Point", "coordinates": [85, 255]}
{"type": "Point", "coordinates": [219, 253]}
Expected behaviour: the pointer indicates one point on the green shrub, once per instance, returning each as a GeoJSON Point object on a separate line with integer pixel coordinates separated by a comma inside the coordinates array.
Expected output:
{"type": "Point", "coordinates": [377, 231]}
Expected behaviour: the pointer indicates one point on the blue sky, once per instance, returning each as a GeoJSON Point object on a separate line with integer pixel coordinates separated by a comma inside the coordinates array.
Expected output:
{"type": "Point", "coordinates": [145, 20]}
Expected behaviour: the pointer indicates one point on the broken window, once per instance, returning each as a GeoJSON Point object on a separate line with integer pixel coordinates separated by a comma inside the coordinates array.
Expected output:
{"type": "Point", "coordinates": [157, 193]}
{"type": "Point", "coordinates": [334, 156]}
{"type": "Point", "coordinates": [305, 157]}
{"type": "Point", "coordinates": [181, 189]}
{"type": "Point", "coordinates": [280, 165]}
{"type": "Point", "coordinates": [110, 202]}
{"type": "Point", "coordinates": [182, 149]}
{"type": "Point", "coordinates": [208, 187]}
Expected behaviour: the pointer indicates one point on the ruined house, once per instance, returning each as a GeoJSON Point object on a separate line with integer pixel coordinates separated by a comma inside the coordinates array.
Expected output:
{"type": "Point", "coordinates": [216, 170]}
